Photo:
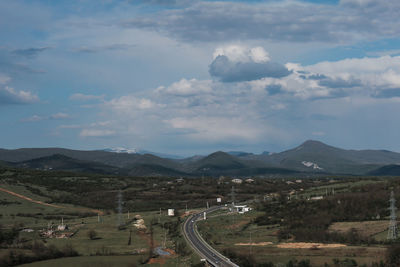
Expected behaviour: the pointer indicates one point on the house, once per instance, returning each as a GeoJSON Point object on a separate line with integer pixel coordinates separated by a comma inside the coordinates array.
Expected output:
{"type": "Point", "coordinates": [241, 208]}
{"type": "Point", "coordinates": [237, 181]}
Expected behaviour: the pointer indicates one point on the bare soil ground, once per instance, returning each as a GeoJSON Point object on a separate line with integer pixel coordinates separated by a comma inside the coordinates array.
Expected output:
{"type": "Point", "coordinates": [254, 244]}
{"type": "Point", "coordinates": [309, 245]}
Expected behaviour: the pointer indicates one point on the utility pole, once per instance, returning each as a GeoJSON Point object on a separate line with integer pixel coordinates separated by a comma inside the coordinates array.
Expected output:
{"type": "Point", "coordinates": [392, 232]}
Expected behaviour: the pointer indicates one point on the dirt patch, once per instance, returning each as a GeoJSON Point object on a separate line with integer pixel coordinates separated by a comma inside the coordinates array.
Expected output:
{"type": "Point", "coordinates": [171, 251]}
{"type": "Point", "coordinates": [158, 260]}
{"type": "Point", "coordinates": [47, 204]}
{"type": "Point", "coordinates": [309, 245]}
{"type": "Point", "coordinates": [366, 228]}
{"type": "Point", "coordinates": [254, 244]}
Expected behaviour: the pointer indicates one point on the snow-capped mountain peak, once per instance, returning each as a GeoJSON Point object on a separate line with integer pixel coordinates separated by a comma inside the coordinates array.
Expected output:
{"type": "Point", "coordinates": [122, 150]}
{"type": "Point", "coordinates": [311, 165]}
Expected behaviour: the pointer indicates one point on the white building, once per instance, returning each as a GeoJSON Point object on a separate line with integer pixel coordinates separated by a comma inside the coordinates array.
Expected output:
{"type": "Point", "coordinates": [241, 208]}
{"type": "Point", "coordinates": [237, 181]}
{"type": "Point", "coordinates": [171, 212]}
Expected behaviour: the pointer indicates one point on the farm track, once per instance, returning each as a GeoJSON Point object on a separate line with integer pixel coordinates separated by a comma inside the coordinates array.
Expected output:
{"type": "Point", "coordinates": [47, 204]}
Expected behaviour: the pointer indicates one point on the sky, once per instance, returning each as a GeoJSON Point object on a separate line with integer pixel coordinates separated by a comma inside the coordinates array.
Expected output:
{"type": "Point", "coordinates": [189, 77]}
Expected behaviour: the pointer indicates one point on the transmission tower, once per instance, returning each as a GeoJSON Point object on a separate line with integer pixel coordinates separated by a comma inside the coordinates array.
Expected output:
{"type": "Point", "coordinates": [233, 196]}
{"type": "Point", "coordinates": [120, 219]}
{"type": "Point", "coordinates": [392, 233]}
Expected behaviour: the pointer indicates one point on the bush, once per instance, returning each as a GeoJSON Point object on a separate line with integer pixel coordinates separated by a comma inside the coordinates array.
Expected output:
{"type": "Point", "coordinates": [393, 255]}
{"type": "Point", "coordinates": [92, 234]}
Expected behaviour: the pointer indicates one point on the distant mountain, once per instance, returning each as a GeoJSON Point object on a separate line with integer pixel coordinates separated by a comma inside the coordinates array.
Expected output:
{"type": "Point", "coordinates": [217, 161]}
{"type": "Point", "coordinates": [142, 152]}
{"type": "Point", "coordinates": [311, 157]}
{"type": "Point", "coordinates": [122, 150]}
{"type": "Point", "coordinates": [388, 170]}
{"type": "Point", "coordinates": [316, 156]}
{"type": "Point", "coordinates": [121, 160]}
{"type": "Point", "coordinates": [239, 153]}
{"type": "Point", "coordinates": [64, 163]}
{"type": "Point", "coordinates": [221, 163]}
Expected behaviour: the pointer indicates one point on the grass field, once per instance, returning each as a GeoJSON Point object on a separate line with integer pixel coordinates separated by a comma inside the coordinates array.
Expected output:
{"type": "Point", "coordinates": [227, 232]}
{"type": "Point", "coordinates": [110, 242]}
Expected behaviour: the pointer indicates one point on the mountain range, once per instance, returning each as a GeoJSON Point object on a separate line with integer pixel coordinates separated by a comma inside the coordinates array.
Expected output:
{"type": "Point", "coordinates": [311, 157]}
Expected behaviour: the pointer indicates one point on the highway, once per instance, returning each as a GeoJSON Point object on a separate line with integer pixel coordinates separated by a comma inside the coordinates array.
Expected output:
{"type": "Point", "coordinates": [205, 251]}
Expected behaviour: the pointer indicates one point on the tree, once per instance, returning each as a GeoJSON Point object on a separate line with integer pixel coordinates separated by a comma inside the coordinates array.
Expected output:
{"type": "Point", "coordinates": [92, 234]}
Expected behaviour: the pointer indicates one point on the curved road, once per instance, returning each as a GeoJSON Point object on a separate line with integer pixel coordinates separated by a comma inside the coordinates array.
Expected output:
{"type": "Point", "coordinates": [205, 251]}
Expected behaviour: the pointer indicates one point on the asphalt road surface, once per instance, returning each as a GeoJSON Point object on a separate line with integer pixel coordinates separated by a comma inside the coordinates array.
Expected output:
{"type": "Point", "coordinates": [205, 251]}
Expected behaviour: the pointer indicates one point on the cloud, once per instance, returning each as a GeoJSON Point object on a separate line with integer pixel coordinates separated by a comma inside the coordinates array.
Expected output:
{"type": "Point", "coordinates": [290, 21]}
{"type": "Point", "coordinates": [34, 118]}
{"type": "Point", "coordinates": [84, 97]}
{"type": "Point", "coordinates": [216, 128]}
{"type": "Point", "coordinates": [110, 47]}
{"type": "Point", "coordinates": [56, 116]}
{"type": "Point", "coordinates": [187, 87]}
{"type": "Point", "coordinates": [70, 126]}
{"type": "Point", "coordinates": [130, 103]}
{"type": "Point", "coordinates": [59, 116]}
{"type": "Point", "coordinates": [229, 71]}
{"type": "Point", "coordinates": [236, 63]}
{"type": "Point", "coordinates": [29, 52]}
{"type": "Point", "coordinates": [9, 95]}
{"type": "Point", "coordinates": [96, 133]}
{"type": "Point", "coordinates": [238, 53]}
{"type": "Point", "coordinates": [374, 77]}
{"type": "Point", "coordinates": [358, 3]}
{"type": "Point", "coordinates": [169, 2]}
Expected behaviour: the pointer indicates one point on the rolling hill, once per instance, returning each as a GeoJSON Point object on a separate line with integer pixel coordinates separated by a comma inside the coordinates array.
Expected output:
{"type": "Point", "coordinates": [311, 157]}
{"type": "Point", "coordinates": [64, 163]}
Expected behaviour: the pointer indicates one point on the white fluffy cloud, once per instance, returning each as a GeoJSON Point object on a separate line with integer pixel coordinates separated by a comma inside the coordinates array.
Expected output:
{"type": "Point", "coordinates": [187, 87]}
{"type": "Point", "coordinates": [217, 128]}
{"type": "Point", "coordinates": [252, 111]}
{"type": "Point", "coordinates": [239, 53]}
{"type": "Point", "coordinates": [130, 103]}
{"type": "Point", "coordinates": [9, 95]}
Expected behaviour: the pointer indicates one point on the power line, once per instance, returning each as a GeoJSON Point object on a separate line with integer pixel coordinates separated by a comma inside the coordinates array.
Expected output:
{"type": "Point", "coordinates": [392, 233]}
